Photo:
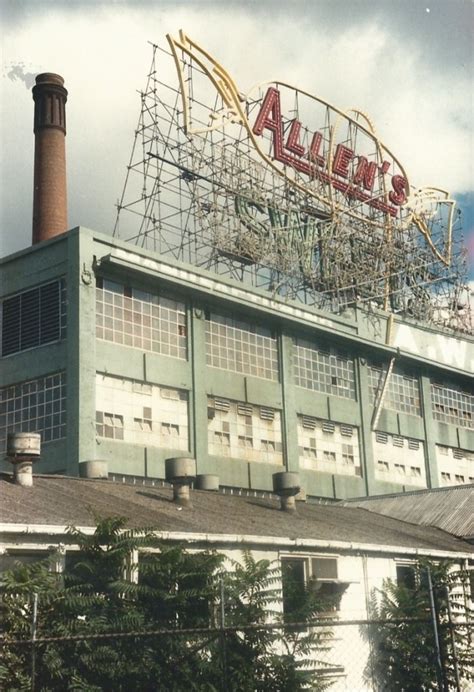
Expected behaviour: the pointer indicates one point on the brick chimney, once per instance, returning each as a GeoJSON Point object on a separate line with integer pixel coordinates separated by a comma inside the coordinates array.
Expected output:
{"type": "Point", "coordinates": [49, 196]}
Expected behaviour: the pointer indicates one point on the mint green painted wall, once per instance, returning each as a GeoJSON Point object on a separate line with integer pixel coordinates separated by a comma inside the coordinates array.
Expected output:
{"type": "Point", "coordinates": [76, 256]}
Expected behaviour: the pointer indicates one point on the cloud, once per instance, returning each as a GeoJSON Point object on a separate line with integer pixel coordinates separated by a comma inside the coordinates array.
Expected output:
{"type": "Point", "coordinates": [383, 58]}
{"type": "Point", "coordinates": [17, 72]}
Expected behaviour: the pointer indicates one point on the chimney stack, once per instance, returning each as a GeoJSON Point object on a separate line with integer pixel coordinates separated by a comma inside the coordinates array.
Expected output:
{"type": "Point", "coordinates": [49, 194]}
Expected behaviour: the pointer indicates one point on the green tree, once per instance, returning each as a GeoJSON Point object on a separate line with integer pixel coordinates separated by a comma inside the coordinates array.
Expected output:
{"type": "Point", "coordinates": [405, 651]}
{"type": "Point", "coordinates": [100, 614]}
{"type": "Point", "coordinates": [262, 658]}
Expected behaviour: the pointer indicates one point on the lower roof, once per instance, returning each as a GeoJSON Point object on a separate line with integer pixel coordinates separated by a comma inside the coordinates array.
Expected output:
{"type": "Point", "coordinates": [450, 509]}
{"type": "Point", "coordinates": [63, 501]}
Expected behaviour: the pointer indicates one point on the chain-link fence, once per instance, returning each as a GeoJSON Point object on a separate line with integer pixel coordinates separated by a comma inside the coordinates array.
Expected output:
{"type": "Point", "coordinates": [360, 655]}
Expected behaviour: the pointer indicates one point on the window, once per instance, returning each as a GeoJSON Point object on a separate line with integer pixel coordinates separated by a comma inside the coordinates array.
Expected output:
{"type": "Point", "coordinates": [402, 393]}
{"type": "Point", "coordinates": [406, 576]}
{"type": "Point", "coordinates": [34, 406]}
{"type": "Point", "coordinates": [12, 558]}
{"type": "Point", "coordinates": [455, 465]}
{"type": "Point", "coordinates": [293, 578]}
{"type": "Point", "coordinates": [451, 404]}
{"type": "Point", "coordinates": [128, 316]}
{"type": "Point", "coordinates": [327, 446]}
{"type": "Point", "coordinates": [399, 459]}
{"type": "Point", "coordinates": [109, 425]}
{"type": "Point", "coordinates": [324, 370]}
{"type": "Point", "coordinates": [241, 346]}
{"type": "Point", "coordinates": [141, 413]}
{"type": "Point", "coordinates": [412, 577]}
{"type": "Point", "coordinates": [244, 431]}
{"type": "Point", "coordinates": [318, 575]}
{"type": "Point", "coordinates": [34, 317]}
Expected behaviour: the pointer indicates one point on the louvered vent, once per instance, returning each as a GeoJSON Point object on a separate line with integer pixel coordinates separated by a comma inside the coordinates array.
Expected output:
{"type": "Point", "coordinates": [413, 444]}
{"type": "Point", "coordinates": [347, 430]}
{"type": "Point", "coordinates": [309, 422]}
{"type": "Point", "coordinates": [328, 426]}
{"type": "Point", "coordinates": [244, 409]}
{"type": "Point", "coordinates": [34, 318]}
{"type": "Point", "coordinates": [221, 404]}
{"type": "Point", "coordinates": [397, 441]}
{"type": "Point", "coordinates": [267, 413]}
{"type": "Point", "coordinates": [381, 437]}
{"type": "Point", "coordinates": [169, 393]}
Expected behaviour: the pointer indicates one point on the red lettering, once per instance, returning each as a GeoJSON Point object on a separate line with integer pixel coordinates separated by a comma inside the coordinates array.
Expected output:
{"type": "Point", "coordinates": [271, 105]}
{"type": "Point", "coordinates": [269, 117]}
{"type": "Point", "coordinates": [342, 159]}
{"type": "Point", "coordinates": [292, 143]}
{"type": "Point", "coordinates": [365, 173]}
{"type": "Point", "coordinates": [399, 194]}
{"type": "Point", "coordinates": [314, 154]}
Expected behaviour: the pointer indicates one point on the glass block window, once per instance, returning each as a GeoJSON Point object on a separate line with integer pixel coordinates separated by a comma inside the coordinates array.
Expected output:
{"type": "Point", "coordinates": [399, 459]}
{"type": "Point", "coordinates": [141, 413]}
{"type": "Point", "coordinates": [323, 369]}
{"type": "Point", "coordinates": [240, 346]}
{"type": "Point", "coordinates": [34, 406]}
{"type": "Point", "coordinates": [34, 317]}
{"type": "Point", "coordinates": [455, 466]}
{"type": "Point", "coordinates": [128, 316]}
{"type": "Point", "coordinates": [402, 393]}
{"type": "Point", "coordinates": [328, 446]}
{"type": "Point", "coordinates": [451, 404]}
{"type": "Point", "coordinates": [244, 431]}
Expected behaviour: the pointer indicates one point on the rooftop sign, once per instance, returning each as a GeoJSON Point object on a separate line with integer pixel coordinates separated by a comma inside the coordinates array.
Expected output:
{"type": "Point", "coordinates": [333, 159]}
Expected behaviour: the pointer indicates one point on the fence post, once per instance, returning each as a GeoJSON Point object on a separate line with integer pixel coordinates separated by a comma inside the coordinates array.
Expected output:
{"type": "Point", "coordinates": [439, 667]}
{"type": "Point", "coordinates": [222, 637]}
{"type": "Point", "coordinates": [453, 641]}
{"type": "Point", "coordinates": [34, 617]}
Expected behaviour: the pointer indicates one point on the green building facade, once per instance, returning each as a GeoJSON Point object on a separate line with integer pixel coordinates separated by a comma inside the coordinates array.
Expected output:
{"type": "Point", "coordinates": [114, 352]}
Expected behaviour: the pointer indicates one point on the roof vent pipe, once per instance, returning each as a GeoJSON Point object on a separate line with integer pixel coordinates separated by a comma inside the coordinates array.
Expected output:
{"type": "Point", "coordinates": [93, 469]}
{"type": "Point", "coordinates": [207, 481]}
{"type": "Point", "coordinates": [286, 485]}
{"type": "Point", "coordinates": [23, 448]}
{"type": "Point", "coordinates": [180, 472]}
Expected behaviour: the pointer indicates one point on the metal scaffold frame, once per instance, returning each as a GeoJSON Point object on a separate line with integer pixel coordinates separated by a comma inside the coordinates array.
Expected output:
{"type": "Point", "coordinates": [201, 189]}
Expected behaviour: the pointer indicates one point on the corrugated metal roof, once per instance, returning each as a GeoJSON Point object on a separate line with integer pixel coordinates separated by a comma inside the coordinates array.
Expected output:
{"type": "Point", "coordinates": [57, 500]}
{"type": "Point", "coordinates": [450, 509]}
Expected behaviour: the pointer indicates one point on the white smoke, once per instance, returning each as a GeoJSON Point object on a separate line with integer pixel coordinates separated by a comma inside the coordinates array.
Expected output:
{"type": "Point", "coordinates": [17, 72]}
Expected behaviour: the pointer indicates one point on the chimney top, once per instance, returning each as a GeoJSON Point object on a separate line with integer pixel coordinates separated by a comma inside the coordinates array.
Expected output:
{"type": "Point", "coordinates": [49, 78]}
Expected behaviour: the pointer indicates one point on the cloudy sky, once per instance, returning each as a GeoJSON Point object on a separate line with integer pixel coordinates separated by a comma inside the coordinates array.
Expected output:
{"type": "Point", "coordinates": [407, 63]}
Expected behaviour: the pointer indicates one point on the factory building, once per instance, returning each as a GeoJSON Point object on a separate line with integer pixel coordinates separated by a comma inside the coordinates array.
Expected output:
{"type": "Point", "coordinates": [135, 352]}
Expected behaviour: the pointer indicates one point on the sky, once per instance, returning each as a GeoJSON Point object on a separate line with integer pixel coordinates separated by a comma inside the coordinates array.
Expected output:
{"type": "Point", "coordinates": [407, 63]}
